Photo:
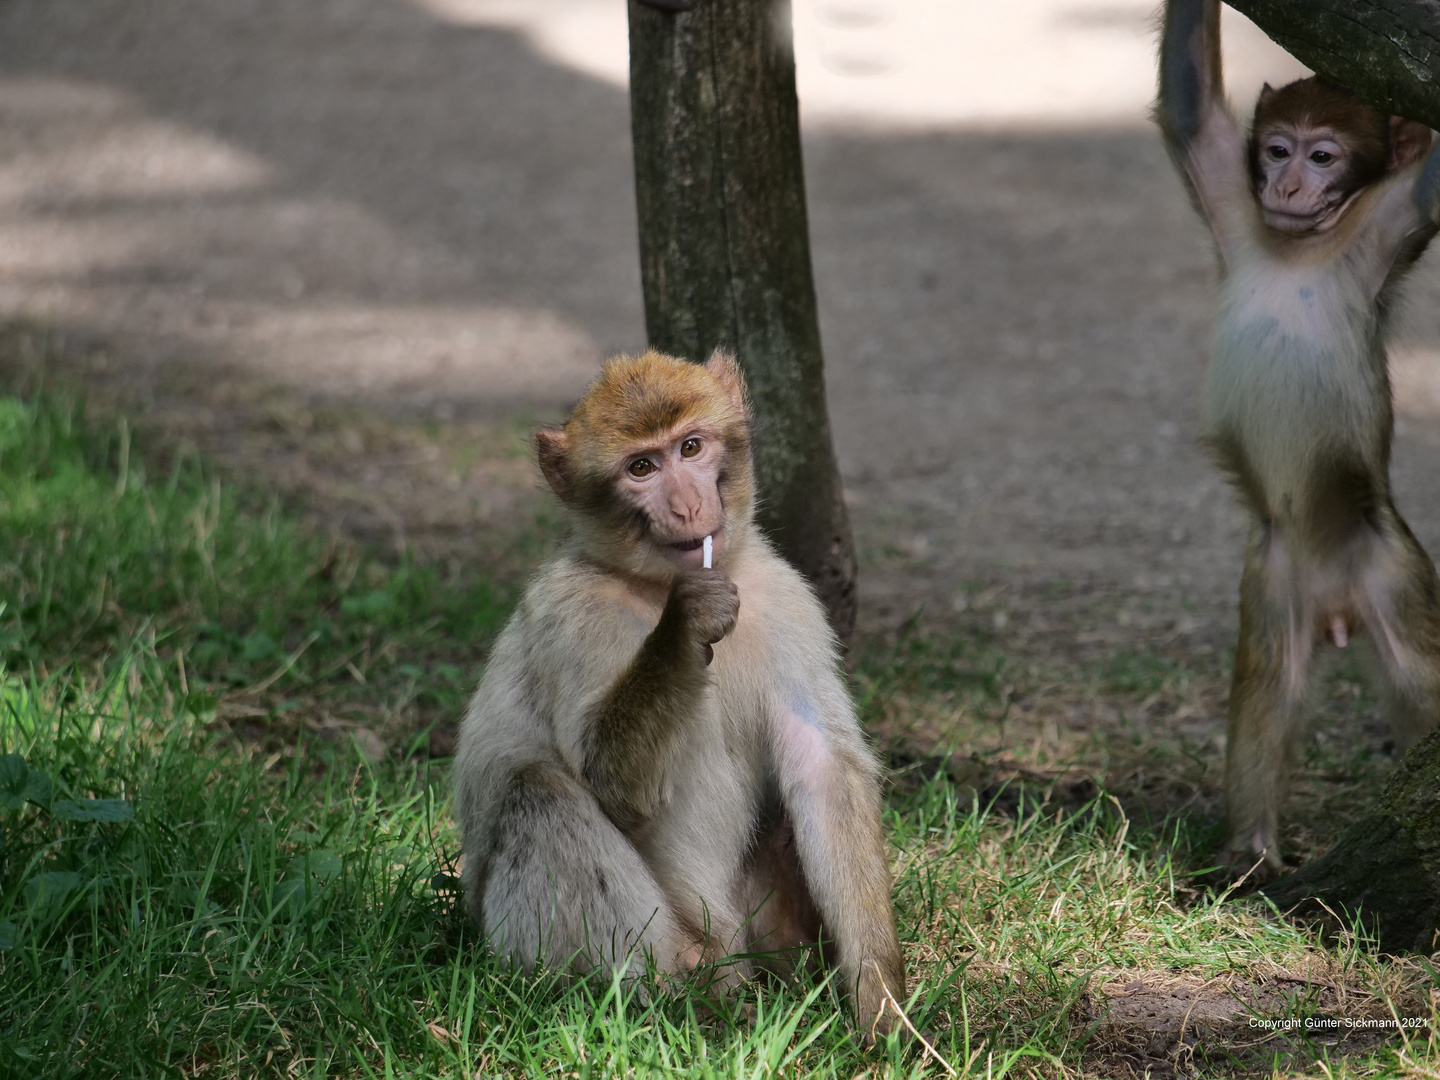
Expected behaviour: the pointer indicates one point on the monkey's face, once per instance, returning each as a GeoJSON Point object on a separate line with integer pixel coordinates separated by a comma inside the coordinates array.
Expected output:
{"type": "Point", "coordinates": [655, 458]}
{"type": "Point", "coordinates": [1306, 177]}
{"type": "Point", "coordinates": [674, 484]}
{"type": "Point", "coordinates": [1313, 148]}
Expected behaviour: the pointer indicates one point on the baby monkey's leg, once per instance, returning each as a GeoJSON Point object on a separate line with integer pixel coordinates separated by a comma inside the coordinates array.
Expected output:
{"type": "Point", "coordinates": [1272, 661]}
{"type": "Point", "coordinates": [1402, 597]}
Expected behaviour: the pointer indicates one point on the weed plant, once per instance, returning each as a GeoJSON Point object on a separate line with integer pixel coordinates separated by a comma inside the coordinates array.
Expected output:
{"type": "Point", "coordinates": [182, 896]}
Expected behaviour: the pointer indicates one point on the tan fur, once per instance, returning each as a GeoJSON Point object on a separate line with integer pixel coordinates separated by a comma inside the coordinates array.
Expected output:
{"type": "Point", "coordinates": [623, 800]}
{"type": "Point", "coordinates": [1297, 410]}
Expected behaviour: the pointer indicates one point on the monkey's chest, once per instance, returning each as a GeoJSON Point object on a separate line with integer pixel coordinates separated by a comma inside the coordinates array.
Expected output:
{"type": "Point", "coordinates": [1294, 382]}
{"type": "Point", "coordinates": [1293, 349]}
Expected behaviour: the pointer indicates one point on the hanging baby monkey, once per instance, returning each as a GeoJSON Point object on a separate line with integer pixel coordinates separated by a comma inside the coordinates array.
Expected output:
{"type": "Point", "coordinates": [1316, 217]}
{"type": "Point", "coordinates": [662, 761]}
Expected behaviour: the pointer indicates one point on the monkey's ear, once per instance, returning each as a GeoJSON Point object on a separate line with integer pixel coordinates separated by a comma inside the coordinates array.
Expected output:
{"type": "Point", "coordinates": [552, 447]}
{"type": "Point", "coordinates": [1409, 140]}
{"type": "Point", "coordinates": [725, 368]}
{"type": "Point", "coordinates": [1266, 93]}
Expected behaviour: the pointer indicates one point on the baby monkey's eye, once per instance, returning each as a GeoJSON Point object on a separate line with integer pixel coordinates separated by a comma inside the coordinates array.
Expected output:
{"type": "Point", "coordinates": [641, 466]}
{"type": "Point", "coordinates": [1322, 157]}
{"type": "Point", "coordinates": [1279, 153]}
{"type": "Point", "coordinates": [690, 447]}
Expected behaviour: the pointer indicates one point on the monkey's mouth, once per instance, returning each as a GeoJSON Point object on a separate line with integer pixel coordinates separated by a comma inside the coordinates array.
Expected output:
{"type": "Point", "coordinates": [1318, 220]}
{"type": "Point", "coordinates": [688, 545]}
{"type": "Point", "coordinates": [1281, 221]}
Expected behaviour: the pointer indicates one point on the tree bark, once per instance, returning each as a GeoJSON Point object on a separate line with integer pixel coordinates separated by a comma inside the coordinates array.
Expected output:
{"type": "Point", "coordinates": [1387, 51]}
{"type": "Point", "coordinates": [725, 253]}
{"type": "Point", "coordinates": [1385, 867]}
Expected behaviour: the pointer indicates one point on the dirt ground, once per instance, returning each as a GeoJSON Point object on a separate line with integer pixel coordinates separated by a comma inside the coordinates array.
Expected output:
{"type": "Point", "coordinates": [354, 249]}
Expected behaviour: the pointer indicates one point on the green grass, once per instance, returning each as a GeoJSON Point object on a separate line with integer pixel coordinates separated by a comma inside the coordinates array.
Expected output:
{"type": "Point", "coordinates": [181, 895]}
{"type": "Point", "coordinates": [96, 559]}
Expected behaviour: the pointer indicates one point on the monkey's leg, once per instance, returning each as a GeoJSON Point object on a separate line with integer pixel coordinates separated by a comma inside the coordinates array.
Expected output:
{"type": "Point", "coordinates": [1403, 598]}
{"type": "Point", "coordinates": [781, 916]}
{"type": "Point", "coordinates": [1267, 692]}
{"type": "Point", "coordinates": [564, 887]}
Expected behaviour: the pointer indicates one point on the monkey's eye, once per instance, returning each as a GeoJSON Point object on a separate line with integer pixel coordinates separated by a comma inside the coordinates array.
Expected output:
{"type": "Point", "coordinates": [1322, 157]}
{"type": "Point", "coordinates": [690, 447]}
{"type": "Point", "coordinates": [1278, 153]}
{"type": "Point", "coordinates": [641, 467]}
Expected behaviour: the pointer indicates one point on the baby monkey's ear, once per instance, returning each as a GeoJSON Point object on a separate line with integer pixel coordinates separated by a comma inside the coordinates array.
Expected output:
{"type": "Point", "coordinates": [725, 368]}
{"type": "Point", "coordinates": [1409, 140]}
{"type": "Point", "coordinates": [552, 447]}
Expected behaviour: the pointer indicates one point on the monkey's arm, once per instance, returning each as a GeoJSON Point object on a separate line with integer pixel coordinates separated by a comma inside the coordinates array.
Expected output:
{"type": "Point", "coordinates": [1199, 131]}
{"type": "Point", "coordinates": [1426, 195]}
{"type": "Point", "coordinates": [629, 734]}
{"type": "Point", "coordinates": [1404, 218]}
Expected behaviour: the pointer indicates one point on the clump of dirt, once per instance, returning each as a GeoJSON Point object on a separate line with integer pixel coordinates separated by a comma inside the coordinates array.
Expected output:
{"type": "Point", "coordinates": [1162, 1024]}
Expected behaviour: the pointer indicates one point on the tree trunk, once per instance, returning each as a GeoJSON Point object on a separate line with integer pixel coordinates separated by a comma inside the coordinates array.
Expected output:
{"type": "Point", "coordinates": [1387, 51]}
{"type": "Point", "coordinates": [725, 253]}
{"type": "Point", "coordinates": [1385, 867]}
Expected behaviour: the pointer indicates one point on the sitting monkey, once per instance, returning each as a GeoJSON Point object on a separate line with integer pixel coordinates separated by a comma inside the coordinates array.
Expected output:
{"type": "Point", "coordinates": [626, 791]}
{"type": "Point", "coordinates": [1317, 215]}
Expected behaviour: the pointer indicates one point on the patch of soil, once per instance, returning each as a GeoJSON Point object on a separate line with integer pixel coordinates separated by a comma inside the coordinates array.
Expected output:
{"type": "Point", "coordinates": [1161, 1024]}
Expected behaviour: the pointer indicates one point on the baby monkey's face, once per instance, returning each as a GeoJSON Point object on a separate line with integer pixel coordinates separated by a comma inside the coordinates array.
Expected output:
{"type": "Point", "coordinates": [1307, 177]}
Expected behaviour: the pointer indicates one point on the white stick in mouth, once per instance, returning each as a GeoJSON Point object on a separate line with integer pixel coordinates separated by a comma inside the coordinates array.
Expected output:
{"type": "Point", "coordinates": [709, 551]}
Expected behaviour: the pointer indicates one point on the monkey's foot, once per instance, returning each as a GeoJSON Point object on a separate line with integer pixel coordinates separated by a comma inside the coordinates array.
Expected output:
{"type": "Point", "coordinates": [1241, 866]}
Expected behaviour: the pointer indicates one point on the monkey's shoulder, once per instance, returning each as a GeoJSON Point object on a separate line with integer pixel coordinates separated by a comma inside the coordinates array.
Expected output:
{"type": "Point", "coordinates": [571, 597]}
{"type": "Point", "coordinates": [776, 596]}
{"type": "Point", "coordinates": [572, 621]}
{"type": "Point", "coordinates": [781, 648]}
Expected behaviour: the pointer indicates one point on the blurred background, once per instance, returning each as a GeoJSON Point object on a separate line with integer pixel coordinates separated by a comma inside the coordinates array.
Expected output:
{"type": "Point", "coordinates": [355, 249]}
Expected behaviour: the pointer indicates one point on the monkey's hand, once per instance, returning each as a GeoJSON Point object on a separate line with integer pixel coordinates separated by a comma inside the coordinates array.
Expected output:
{"type": "Point", "coordinates": [703, 605]}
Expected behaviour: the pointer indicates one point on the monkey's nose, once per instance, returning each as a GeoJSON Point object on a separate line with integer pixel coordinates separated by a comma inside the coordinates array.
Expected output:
{"type": "Point", "coordinates": [687, 505]}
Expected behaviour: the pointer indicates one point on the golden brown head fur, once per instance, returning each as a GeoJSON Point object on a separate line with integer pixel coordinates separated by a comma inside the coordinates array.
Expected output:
{"type": "Point", "coordinates": [636, 397]}
{"type": "Point", "coordinates": [636, 401]}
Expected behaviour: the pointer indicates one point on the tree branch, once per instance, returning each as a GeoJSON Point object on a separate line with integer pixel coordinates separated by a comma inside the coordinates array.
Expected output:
{"type": "Point", "coordinates": [1387, 51]}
